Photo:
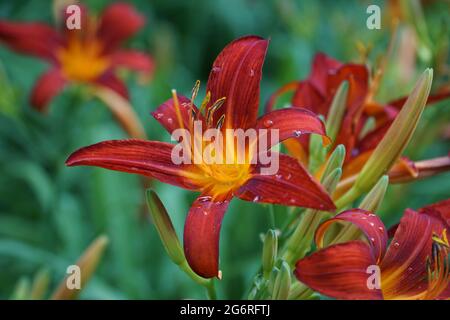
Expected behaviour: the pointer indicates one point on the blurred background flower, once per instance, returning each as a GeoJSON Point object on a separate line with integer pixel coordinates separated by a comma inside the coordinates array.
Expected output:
{"type": "Point", "coordinates": [49, 213]}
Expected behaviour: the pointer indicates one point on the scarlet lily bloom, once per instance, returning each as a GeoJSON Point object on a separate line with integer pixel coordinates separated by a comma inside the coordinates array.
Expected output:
{"type": "Point", "coordinates": [232, 102]}
{"type": "Point", "coordinates": [89, 55]}
{"type": "Point", "coordinates": [316, 94]}
{"type": "Point", "coordinates": [414, 266]}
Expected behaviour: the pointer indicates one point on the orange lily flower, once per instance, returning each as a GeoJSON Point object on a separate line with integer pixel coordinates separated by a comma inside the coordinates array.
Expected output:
{"type": "Point", "coordinates": [414, 266]}
{"type": "Point", "coordinates": [232, 102]}
{"type": "Point", "coordinates": [89, 55]}
{"type": "Point", "coordinates": [316, 94]}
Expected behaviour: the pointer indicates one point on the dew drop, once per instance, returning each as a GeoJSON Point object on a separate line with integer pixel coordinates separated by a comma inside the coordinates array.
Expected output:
{"type": "Point", "coordinates": [159, 116]}
{"type": "Point", "coordinates": [372, 239]}
{"type": "Point", "coordinates": [170, 121]}
{"type": "Point", "coordinates": [288, 176]}
{"type": "Point", "coordinates": [205, 212]}
{"type": "Point", "coordinates": [297, 133]}
{"type": "Point", "coordinates": [204, 199]}
{"type": "Point", "coordinates": [381, 229]}
{"type": "Point", "coordinates": [268, 123]}
{"type": "Point", "coordinates": [216, 69]}
{"type": "Point", "coordinates": [396, 244]}
{"type": "Point", "coordinates": [256, 199]}
{"type": "Point", "coordinates": [372, 215]}
{"type": "Point", "coordinates": [372, 224]}
{"type": "Point", "coordinates": [252, 73]}
{"type": "Point", "coordinates": [410, 269]}
{"type": "Point", "coordinates": [278, 176]}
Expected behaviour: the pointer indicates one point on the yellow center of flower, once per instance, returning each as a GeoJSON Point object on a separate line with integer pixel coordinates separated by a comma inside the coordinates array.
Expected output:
{"type": "Point", "coordinates": [218, 176]}
{"type": "Point", "coordinates": [82, 60]}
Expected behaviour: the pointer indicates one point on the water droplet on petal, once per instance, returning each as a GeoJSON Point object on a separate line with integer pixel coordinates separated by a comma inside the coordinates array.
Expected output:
{"type": "Point", "coordinates": [372, 215]}
{"type": "Point", "coordinates": [410, 269]}
{"type": "Point", "coordinates": [278, 176]}
{"type": "Point", "coordinates": [288, 176]}
{"type": "Point", "coordinates": [205, 212]}
{"type": "Point", "coordinates": [297, 133]}
{"type": "Point", "coordinates": [159, 116]}
{"type": "Point", "coordinates": [396, 244]}
{"type": "Point", "coordinates": [216, 69]}
{"type": "Point", "coordinates": [252, 73]}
{"type": "Point", "coordinates": [372, 224]}
{"type": "Point", "coordinates": [381, 229]}
{"type": "Point", "coordinates": [268, 123]}
{"type": "Point", "coordinates": [256, 199]}
{"type": "Point", "coordinates": [204, 199]}
{"type": "Point", "coordinates": [170, 121]}
{"type": "Point", "coordinates": [372, 239]}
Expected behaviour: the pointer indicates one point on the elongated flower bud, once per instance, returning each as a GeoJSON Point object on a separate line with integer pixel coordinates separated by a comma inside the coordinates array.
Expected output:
{"type": "Point", "coordinates": [337, 110]}
{"type": "Point", "coordinates": [40, 285]}
{"type": "Point", "coordinates": [372, 201]}
{"type": "Point", "coordinates": [282, 283]}
{"type": "Point", "coordinates": [394, 141]}
{"type": "Point", "coordinates": [397, 137]}
{"type": "Point", "coordinates": [336, 160]}
{"type": "Point", "coordinates": [165, 229]}
{"type": "Point", "coordinates": [270, 250]}
{"type": "Point", "coordinates": [87, 265]}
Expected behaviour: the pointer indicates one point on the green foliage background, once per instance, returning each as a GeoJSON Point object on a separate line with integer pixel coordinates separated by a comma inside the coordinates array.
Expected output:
{"type": "Point", "coordinates": [50, 213]}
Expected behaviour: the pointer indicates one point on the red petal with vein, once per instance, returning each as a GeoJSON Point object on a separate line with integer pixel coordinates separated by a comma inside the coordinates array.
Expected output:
{"type": "Point", "coordinates": [439, 210]}
{"type": "Point", "coordinates": [133, 60]}
{"type": "Point", "coordinates": [111, 81]}
{"type": "Point", "coordinates": [404, 268]}
{"type": "Point", "coordinates": [147, 158]}
{"type": "Point", "coordinates": [372, 139]}
{"type": "Point", "coordinates": [307, 96]}
{"type": "Point", "coordinates": [339, 271]}
{"type": "Point", "coordinates": [291, 186]}
{"type": "Point", "coordinates": [322, 67]}
{"type": "Point", "coordinates": [286, 88]}
{"type": "Point", "coordinates": [46, 87]}
{"type": "Point", "coordinates": [357, 76]}
{"type": "Point", "coordinates": [118, 22]}
{"type": "Point", "coordinates": [201, 236]}
{"type": "Point", "coordinates": [236, 75]}
{"type": "Point", "coordinates": [166, 114]}
{"type": "Point", "coordinates": [290, 123]}
{"type": "Point", "coordinates": [35, 39]}
{"type": "Point", "coordinates": [369, 223]}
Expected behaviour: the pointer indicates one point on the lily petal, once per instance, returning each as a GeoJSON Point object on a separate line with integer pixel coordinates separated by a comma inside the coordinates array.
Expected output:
{"type": "Point", "coordinates": [47, 86]}
{"type": "Point", "coordinates": [292, 186]}
{"type": "Point", "coordinates": [236, 75]}
{"type": "Point", "coordinates": [439, 210]}
{"type": "Point", "coordinates": [307, 96]}
{"type": "Point", "coordinates": [291, 123]}
{"type": "Point", "coordinates": [201, 236]}
{"type": "Point", "coordinates": [166, 114]}
{"type": "Point", "coordinates": [339, 271]}
{"type": "Point", "coordinates": [118, 22]}
{"type": "Point", "coordinates": [35, 39]}
{"type": "Point", "coordinates": [404, 267]}
{"type": "Point", "coordinates": [111, 81]}
{"type": "Point", "coordinates": [147, 158]}
{"type": "Point", "coordinates": [322, 67]}
{"type": "Point", "coordinates": [369, 223]}
{"type": "Point", "coordinates": [133, 60]}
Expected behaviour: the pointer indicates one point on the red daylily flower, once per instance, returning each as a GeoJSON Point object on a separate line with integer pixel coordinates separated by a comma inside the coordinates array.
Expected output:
{"type": "Point", "coordinates": [89, 55]}
{"type": "Point", "coordinates": [414, 266]}
{"type": "Point", "coordinates": [316, 94]}
{"type": "Point", "coordinates": [233, 84]}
